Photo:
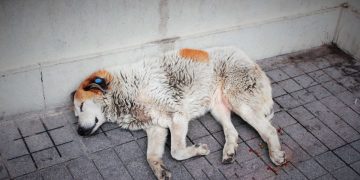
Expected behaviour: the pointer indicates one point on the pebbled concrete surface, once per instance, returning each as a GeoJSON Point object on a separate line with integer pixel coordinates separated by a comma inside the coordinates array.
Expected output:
{"type": "Point", "coordinates": [317, 95]}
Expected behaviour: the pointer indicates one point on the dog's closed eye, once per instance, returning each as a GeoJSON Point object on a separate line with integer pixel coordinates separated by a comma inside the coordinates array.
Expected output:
{"type": "Point", "coordinates": [81, 107]}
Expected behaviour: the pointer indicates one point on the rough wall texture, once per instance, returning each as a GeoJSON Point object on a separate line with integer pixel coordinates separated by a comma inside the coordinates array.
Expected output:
{"type": "Point", "coordinates": [47, 47]}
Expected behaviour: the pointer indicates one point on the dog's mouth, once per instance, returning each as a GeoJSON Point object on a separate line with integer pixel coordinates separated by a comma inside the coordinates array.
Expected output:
{"type": "Point", "coordinates": [82, 131]}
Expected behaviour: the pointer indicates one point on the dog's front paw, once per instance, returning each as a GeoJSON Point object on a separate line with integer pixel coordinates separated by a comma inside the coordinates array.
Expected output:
{"type": "Point", "coordinates": [278, 157]}
{"type": "Point", "coordinates": [229, 153]}
{"type": "Point", "coordinates": [165, 174]}
{"type": "Point", "coordinates": [202, 149]}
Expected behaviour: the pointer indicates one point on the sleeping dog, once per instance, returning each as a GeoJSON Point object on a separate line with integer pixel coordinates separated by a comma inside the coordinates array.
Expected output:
{"type": "Point", "coordinates": [168, 91]}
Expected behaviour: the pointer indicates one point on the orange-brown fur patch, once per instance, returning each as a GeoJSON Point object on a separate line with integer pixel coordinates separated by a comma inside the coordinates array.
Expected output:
{"type": "Point", "coordinates": [82, 95]}
{"type": "Point", "coordinates": [195, 55]}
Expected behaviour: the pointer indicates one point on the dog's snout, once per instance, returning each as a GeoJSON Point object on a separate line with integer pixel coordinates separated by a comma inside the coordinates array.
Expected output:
{"type": "Point", "coordinates": [84, 131]}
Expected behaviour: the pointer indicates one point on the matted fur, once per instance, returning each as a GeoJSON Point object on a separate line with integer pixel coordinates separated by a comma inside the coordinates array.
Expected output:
{"type": "Point", "coordinates": [170, 90]}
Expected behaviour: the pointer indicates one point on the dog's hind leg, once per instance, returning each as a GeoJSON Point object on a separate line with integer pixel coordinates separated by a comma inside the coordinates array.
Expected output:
{"type": "Point", "coordinates": [179, 150]}
{"type": "Point", "coordinates": [222, 114]}
{"type": "Point", "coordinates": [256, 118]}
{"type": "Point", "coordinates": [156, 137]}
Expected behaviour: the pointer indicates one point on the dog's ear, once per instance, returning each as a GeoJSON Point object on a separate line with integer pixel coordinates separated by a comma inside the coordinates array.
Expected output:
{"type": "Point", "coordinates": [72, 95]}
{"type": "Point", "coordinates": [97, 84]}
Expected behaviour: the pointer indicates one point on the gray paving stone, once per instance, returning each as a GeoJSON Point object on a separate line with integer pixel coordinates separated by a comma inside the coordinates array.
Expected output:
{"type": "Point", "coordinates": [356, 145]}
{"type": "Point", "coordinates": [318, 91]}
{"type": "Point", "coordinates": [277, 90]}
{"type": "Point", "coordinates": [20, 166]}
{"type": "Point", "coordinates": [307, 66]}
{"type": "Point", "coordinates": [69, 115]}
{"type": "Point", "coordinates": [323, 133]}
{"type": "Point", "coordinates": [287, 101]}
{"type": "Point", "coordinates": [109, 165]}
{"type": "Point", "coordinates": [305, 81]}
{"type": "Point", "coordinates": [289, 85]}
{"type": "Point", "coordinates": [56, 172]}
{"type": "Point", "coordinates": [47, 157]}
{"type": "Point", "coordinates": [237, 120]}
{"type": "Point", "coordinates": [138, 134]}
{"type": "Point", "coordinates": [326, 177]}
{"type": "Point", "coordinates": [260, 173]}
{"type": "Point", "coordinates": [210, 141]}
{"type": "Point", "coordinates": [356, 166]}
{"type": "Point", "coordinates": [220, 137]}
{"type": "Point", "coordinates": [3, 172]}
{"type": "Point", "coordinates": [319, 76]}
{"type": "Point", "coordinates": [332, 121]}
{"type": "Point", "coordinates": [139, 169]}
{"type": "Point", "coordinates": [83, 168]}
{"type": "Point", "coordinates": [333, 72]}
{"type": "Point", "coordinates": [305, 139]}
{"type": "Point", "coordinates": [70, 150]}
{"type": "Point", "coordinates": [321, 63]}
{"type": "Point", "coordinates": [9, 131]}
{"type": "Point", "coordinates": [348, 82]}
{"type": "Point", "coordinates": [210, 123]}
{"type": "Point", "coordinates": [330, 161]}
{"type": "Point", "coordinates": [119, 136]}
{"type": "Point", "coordinates": [129, 151]}
{"type": "Point", "coordinates": [350, 99]}
{"type": "Point", "coordinates": [301, 114]}
{"type": "Point", "coordinates": [339, 108]}
{"type": "Point", "coordinates": [10, 149]}
{"type": "Point", "coordinates": [180, 172]}
{"type": "Point", "coordinates": [292, 70]}
{"type": "Point", "coordinates": [200, 168]}
{"type": "Point", "coordinates": [277, 75]}
{"type": "Point", "coordinates": [244, 153]}
{"type": "Point", "coordinates": [31, 176]}
{"type": "Point", "coordinates": [30, 126]}
{"type": "Point", "coordinates": [276, 107]}
{"type": "Point", "coordinates": [348, 154]}
{"type": "Point", "coordinates": [96, 142]}
{"type": "Point", "coordinates": [143, 144]}
{"type": "Point", "coordinates": [311, 169]}
{"type": "Point", "coordinates": [249, 166]}
{"type": "Point", "coordinates": [258, 147]}
{"type": "Point", "coordinates": [345, 173]}
{"type": "Point", "coordinates": [55, 120]}
{"type": "Point", "coordinates": [294, 175]}
{"type": "Point", "coordinates": [333, 87]}
{"type": "Point", "coordinates": [197, 130]}
{"type": "Point", "coordinates": [62, 135]}
{"type": "Point", "coordinates": [282, 119]}
{"type": "Point", "coordinates": [215, 159]}
{"type": "Point", "coordinates": [303, 96]}
{"type": "Point", "coordinates": [38, 142]}
{"type": "Point", "coordinates": [246, 132]}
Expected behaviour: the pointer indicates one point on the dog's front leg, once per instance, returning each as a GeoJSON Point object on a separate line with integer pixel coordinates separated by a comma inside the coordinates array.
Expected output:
{"type": "Point", "coordinates": [178, 130]}
{"type": "Point", "coordinates": [156, 143]}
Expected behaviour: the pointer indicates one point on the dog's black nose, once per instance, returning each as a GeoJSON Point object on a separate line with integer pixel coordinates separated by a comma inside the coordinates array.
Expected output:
{"type": "Point", "coordinates": [84, 131]}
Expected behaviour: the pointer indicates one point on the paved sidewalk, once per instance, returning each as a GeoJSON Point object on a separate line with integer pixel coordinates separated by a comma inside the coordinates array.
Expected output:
{"type": "Point", "coordinates": [317, 95]}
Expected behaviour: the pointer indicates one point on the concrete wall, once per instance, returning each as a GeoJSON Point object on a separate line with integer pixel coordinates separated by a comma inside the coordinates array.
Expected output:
{"type": "Point", "coordinates": [348, 34]}
{"type": "Point", "coordinates": [47, 47]}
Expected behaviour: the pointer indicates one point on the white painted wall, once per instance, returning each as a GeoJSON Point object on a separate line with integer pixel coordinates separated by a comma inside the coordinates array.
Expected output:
{"type": "Point", "coordinates": [47, 47]}
{"type": "Point", "coordinates": [348, 35]}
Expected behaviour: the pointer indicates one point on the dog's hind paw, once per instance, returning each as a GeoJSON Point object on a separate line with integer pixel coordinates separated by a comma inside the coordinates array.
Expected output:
{"type": "Point", "coordinates": [202, 149]}
{"type": "Point", "coordinates": [278, 157]}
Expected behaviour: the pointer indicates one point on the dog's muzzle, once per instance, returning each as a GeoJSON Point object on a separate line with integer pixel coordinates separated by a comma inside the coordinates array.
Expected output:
{"type": "Point", "coordinates": [84, 131]}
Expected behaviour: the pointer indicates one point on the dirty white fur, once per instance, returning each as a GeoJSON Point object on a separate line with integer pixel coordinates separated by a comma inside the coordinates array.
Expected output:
{"type": "Point", "coordinates": [169, 91]}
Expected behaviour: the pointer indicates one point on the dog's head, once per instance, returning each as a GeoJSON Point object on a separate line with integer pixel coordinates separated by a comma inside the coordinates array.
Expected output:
{"type": "Point", "coordinates": [88, 102]}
